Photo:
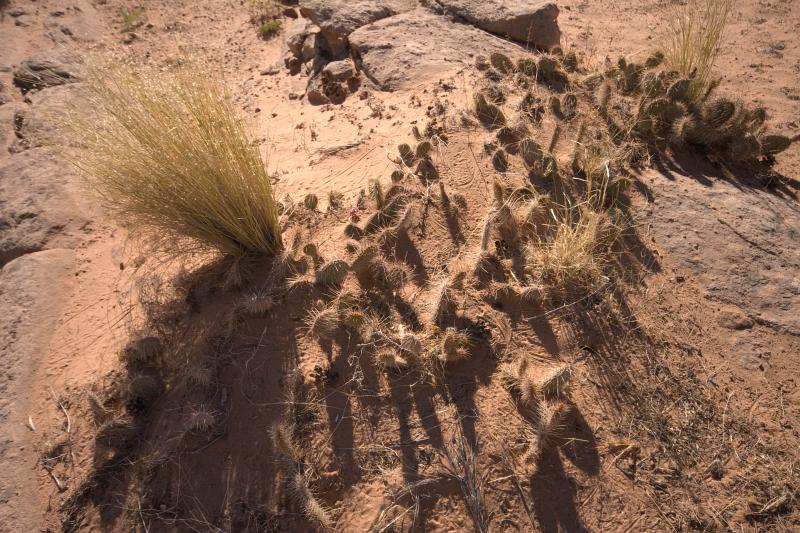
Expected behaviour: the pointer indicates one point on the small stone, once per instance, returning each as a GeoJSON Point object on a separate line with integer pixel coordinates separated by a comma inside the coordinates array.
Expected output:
{"type": "Point", "coordinates": [339, 70]}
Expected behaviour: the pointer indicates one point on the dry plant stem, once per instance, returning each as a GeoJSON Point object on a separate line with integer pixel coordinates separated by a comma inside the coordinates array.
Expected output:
{"type": "Point", "coordinates": [168, 153]}
{"type": "Point", "coordinates": [695, 34]}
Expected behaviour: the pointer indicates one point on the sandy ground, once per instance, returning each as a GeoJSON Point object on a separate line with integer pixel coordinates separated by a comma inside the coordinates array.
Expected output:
{"type": "Point", "coordinates": [79, 306]}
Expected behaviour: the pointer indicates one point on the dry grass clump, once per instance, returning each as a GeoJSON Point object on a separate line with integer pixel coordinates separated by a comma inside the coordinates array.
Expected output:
{"type": "Point", "coordinates": [692, 44]}
{"type": "Point", "coordinates": [168, 153]}
{"type": "Point", "coordinates": [575, 256]}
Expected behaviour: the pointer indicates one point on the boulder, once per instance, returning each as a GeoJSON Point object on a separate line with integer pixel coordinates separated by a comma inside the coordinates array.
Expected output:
{"type": "Point", "coordinates": [36, 124]}
{"type": "Point", "coordinates": [47, 69]}
{"type": "Point", "coordinates": [337, 19]}
{"type": "Point", "coordinates": [78, 22]}
{"type": "Point", "coordinates": [296, 32]}
{"type": "Point", "coordinates": [38, 204]}
{"type": "Point", "coordinates": [403, 50]}
{"type": "Point", "coordinates": [531, 22]}
{"type": "Point", "coordinates": [339, 70]}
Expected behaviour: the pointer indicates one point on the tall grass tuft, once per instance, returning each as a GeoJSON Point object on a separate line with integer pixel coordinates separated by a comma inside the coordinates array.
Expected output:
{"type": "Point", "coordinates": [167, 152]}
{"type": "Point", "coordinates": [693, 40]}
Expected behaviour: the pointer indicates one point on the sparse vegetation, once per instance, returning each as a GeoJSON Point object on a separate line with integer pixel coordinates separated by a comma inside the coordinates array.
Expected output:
{"type": "Point", "coordinates": [167, 152]}
{"type": "Point", "coordinates": [133, 18]}
{"type": "Point", "coordinates": [269, 29]}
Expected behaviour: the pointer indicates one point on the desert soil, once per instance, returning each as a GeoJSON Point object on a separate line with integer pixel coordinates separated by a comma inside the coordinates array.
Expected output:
{"type": "Point", "coordinates": [687, 412]}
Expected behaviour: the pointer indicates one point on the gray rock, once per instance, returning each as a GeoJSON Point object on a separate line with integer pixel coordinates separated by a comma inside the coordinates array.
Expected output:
{"type": "Point", "coordinates": [401, 51]}
{"type": "Point", "coordinates": [38, 208]}
{"type": "Point", "coordinates": [295, 34]}
{"type": "Point", "coordinates": [36, 124]}
{"type": "Point", "coordinates": [339, 70]}
{"type": "Point", "coordinates": [740, 244]}
{"type": "Point", "coordinates": [47, 69]}
{"type": "Point", "coordinates": [337, 19]}
{"type": "Point", "coordinates": [310, 47]}
{"type": "Point", "coordinates": [33, 290]}
{"type": "Point", "coordinates": [532, 22]}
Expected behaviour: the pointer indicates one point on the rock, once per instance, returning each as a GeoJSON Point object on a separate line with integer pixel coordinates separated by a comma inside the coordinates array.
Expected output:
{"type": "Point", "coordinates": [17, 11]}
{"type": "Point", "coordinates": [4, 96]}
{"type": "Point", "coordinates": [734, 319]}
{"type": "Point", "coordinates": [33, 290]}
{"type": "Point", "coordinates": [46, 70]}
{"type": "Point", "coordinates": [740, 244]}
{"type": "Point", "coordinates": [310, 47]}
{"type": "Point", "coordinates": [402, 50]}
{"type": "Point", "coordinates": [323, 91]}
{"type": "Point", "coordinates": [295, 35]}
{"type": "Point", "coordinates": [78, 22]}
{"type": "Point", "coordinates": [297, 88]}
{"type": "Point", "coordinates": [36, 124]}
{"type": "Point", "coordinates": [337, 19]}
{"type": "Point", "coordinates": [38, 208]}
{"type": "Point", "coordinates": [292, 62]}
{"type": "Point", "coordinates": [339, 70]}
{"type": "Point", "coordinates": [527, 21]}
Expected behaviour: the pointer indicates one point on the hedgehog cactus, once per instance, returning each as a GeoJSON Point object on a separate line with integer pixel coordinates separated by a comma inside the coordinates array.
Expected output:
{"type": "Point", "coordinates": [570, 62]}
{"type": "Point", "coordinates": [406, 153]}
{"type": "Point", "coordinates": [531, 152]}
{"type": "Point", "coordinates": [501, 62]}
{"type": "Point", "coordinates": [592, 81]}
{"type": "Point", "coordinates": [311, 201]}
{"type": "Point", "coordinates": [654, 60]}
{"type": "Point", "coordinates": [743, 148]}
{"type": "Point", "coordinates": [775, 144]}
{"type": "Point", "coordinates": [489, 114]}
{"type": "Point", "coordinates": [527, 66]}
{"type": "Point", "coordinates": [569, 105]}
{"type": "Point", "coordinates": [602, 96]}
{"type": "Point", "coordinates": [424, 149]}
{"type": "Point", "coordinates": [652, 84]}
{"type": "Point", "coordinates": [719, 112]}
{"type": "Point", "coordinates": [548, 70]}
{"type": "Point", "coordinates": [500, 160]}
{"type": "Point", "coordinates": [678, 91]}
{"type": "Point", "coordinates": [555, 105]}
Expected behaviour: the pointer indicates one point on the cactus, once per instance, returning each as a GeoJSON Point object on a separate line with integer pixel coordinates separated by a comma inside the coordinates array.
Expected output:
{"type": "Point", "coordinates": [775, 144]}
{"type": "Point", "coordinates": [424, 149]}
{"type": "Point", "coordinates": [397, 176]}
{"type": "Point", "coordinates": [555, 105]}
{"type": "Point", "coordinates": [663, 113]}
{"type": "Point", "coordinates": [652, 84]}
{"type": "Point", "coordinates": [548, 70]}
{"type": "Point", "coordinates": [416, 133]}
{"type": "Point", "coordinates": [654, 60]}
{"type": "Point", "coordinates": [602, 96]}
{"type": "Point", "coordinates": [490, 115]}
{"type": "Point", "coordinates": [742, 148]}
{"type": "Point", "coordinates": [494, 93]}
{"type": "Point", "coordinates": [332, 273]}
{"type": "Point", "coordinates": [678, 91]}
{"type": "Point", "coordinates": [531, 152]}
{"type": "Point", "coordinates": [481, 63]}
{"type": "Point", "coordinates": [500, 160]}
{"type": "Point", "coordinates": [311, 201]}
{"type": "Point", "coordinates": [569, 105]}
{"type": "Point", "coordinates": [549, 167]}
{"type": "Point", "coordinates": [554, 139]}
{"type": "Point", "coordinates": [531, 106]}
{"type": "Point", "coordinates": [719, 112]}
{"type": "Point", "coordinates": [527, 66]}
{"type": "Point", "coordinates": [592, 81]}
{"type": "Point", "coordinates": [406, 153]}
{"type": "Point", "coordinates": [501, 62]}
{"type": "Point", "coordinates": [570, 62]}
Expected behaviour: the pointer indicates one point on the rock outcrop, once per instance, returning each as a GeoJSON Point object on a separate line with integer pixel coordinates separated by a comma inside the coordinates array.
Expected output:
{"type": "Point", "coordinates": [530, 22]}
{"type": "Point", "coordinates": [37, 208]}
{"type": "Point", "coordinates": [46, 70]}
{"type": "Point", "coordinates": [740, 246]}
{"type": "Point", "coordinates": [399, 51]}
{"type": "Point", "coordinates": [337, 19]}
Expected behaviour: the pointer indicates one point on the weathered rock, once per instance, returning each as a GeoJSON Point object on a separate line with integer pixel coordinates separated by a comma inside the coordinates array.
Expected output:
{"type": "Point", "coordinates": [531, 22]}
{"type": "Point", "coordinates": [38, 209]}
{"type": "Point", "coordinates": [46, 70]}
{"type": "Point", "coordinates": [295, 35]}
{"type": "Point", "coordinates": [339, 70]}
{"type": "Point", "coordinates": [33, 290]}
{"type": "Point", "coordinates": [310, 47]}
{"type": "Point", "coordinates": [80, 22]}
{"type": "Point", "coordinates": [741, 245]}
{"type": "Point", "coordinates": [36, 124]}
{"type": "Point", "coordinates": [400, 51]}
{"type": "Point", "coordinates": [315, 92]}
{"type": "Point", "coordinates": [337, 19]}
